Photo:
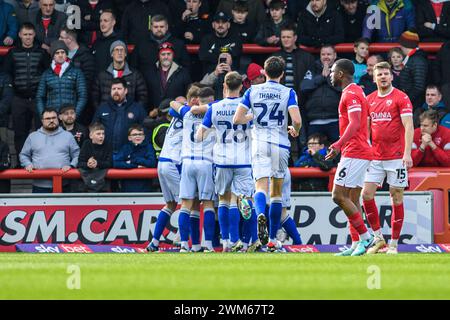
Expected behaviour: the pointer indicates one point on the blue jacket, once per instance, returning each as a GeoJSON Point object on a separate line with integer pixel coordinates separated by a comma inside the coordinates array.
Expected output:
{"type": "Point", "coordinates": [118, 119]}
{"type": "Point", "coordinates": [392, 24]}
{"type": "Point", "coordinates": [131, 156]}
{"type": "Point", "coordinates": [54, 91]}
{"type": "Point", "coordinates": [8, 22]}
{"type": "Point", "coordinates": [317, 161]}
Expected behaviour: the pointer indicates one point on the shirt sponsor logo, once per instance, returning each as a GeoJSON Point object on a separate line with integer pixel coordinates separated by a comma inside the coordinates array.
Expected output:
{"type": "Point", "coordinates": [380, 116]}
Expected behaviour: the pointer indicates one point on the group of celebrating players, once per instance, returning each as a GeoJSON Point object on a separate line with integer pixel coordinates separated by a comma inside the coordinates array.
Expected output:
{"type": "Point", "coordinates": [236, 150]}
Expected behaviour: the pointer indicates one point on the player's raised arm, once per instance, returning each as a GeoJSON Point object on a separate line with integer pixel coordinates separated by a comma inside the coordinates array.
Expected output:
{"type": "Point", "coordinates": [175, 105]}
{"type": "Point", "coordinates": [206, 126]}
{"type": "Point", "coordinates": [200, 109]}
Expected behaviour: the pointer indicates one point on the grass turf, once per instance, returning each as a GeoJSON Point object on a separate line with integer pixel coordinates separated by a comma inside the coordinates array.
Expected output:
{"type": "Point", "coordinates": [224, 276]}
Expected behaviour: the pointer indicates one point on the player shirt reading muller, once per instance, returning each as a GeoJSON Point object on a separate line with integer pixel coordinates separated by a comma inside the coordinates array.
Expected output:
{"type": "Point", "coordinates": [388, 133]}
{"type": "Point", "coordinates": [352, 100]}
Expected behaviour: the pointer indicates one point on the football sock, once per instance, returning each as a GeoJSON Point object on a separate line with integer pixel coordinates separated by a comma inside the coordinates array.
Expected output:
{"type": "Point", "coordinates": [260, 202]}
{"type": "Point", "coordinates": [216, 239]}
{"type": "Point", "coordinates": [246, 231]}
{"type": "Point", "coordinates": [183, 224]}
{"type": "Point", "coordinates": [275, 216]}
{"type": "Point", "coordinates": [353, 233]}
{"type": "Point", "coordinates": [370, 207]}
{"type": "Point", "coordinates": [291, 229]}
{"type": "Point", "coordinates": [358, 223]}
{"type": "Point", "coordinates": [235, 218]}
{"type": "Point", "coordinates": [397, 217]}
{"type": "Point", "coordinates": [161, 222]}
{"type": "Point", "coordinates": [254, 226]}
{"type": "Point", "coordinates": [393, 242]}
{"type": "Point", "coordinates": [209, 223]}
{"type": "Point", "coordinates": [195, 227]}
{"type": "Point", "coordinates": [224, 221]}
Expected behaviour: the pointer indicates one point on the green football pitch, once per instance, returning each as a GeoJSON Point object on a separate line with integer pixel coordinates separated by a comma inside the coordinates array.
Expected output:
{"type": "Point", "coordinates": [223, 276]}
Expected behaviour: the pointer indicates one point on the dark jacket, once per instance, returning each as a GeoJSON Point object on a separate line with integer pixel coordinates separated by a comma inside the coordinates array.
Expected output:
{"type": "Point", "coordinates": [8, 22]}
{"type": "Point", "coordinates": [353, 23]}
{"type": "Point", "coordinates": [178, 81]}
{"type": "Point", "coordinates": [400, 19]}
{"type": "Point", "coordinates": [93, 24]}
{"type": "Point", "coordinates": [441, 66]}
{"type": "Point", "coordinates": [367, 84]}
{"type": "Point", "coordinates": [413, 78]}
{"type": "Point", "coordinates": [322, 98]}
{"type": "Point", "coordinates": [118, 119]}
{"type": "Point", "coordinates": [6, 95]}
{"type": "Point", "coordinates": [145, 54]}
{"type": "Point", "coordinates": [58, 20]}
{"type": "Point", "coordinates": [303, 62]}
{"type": "Point", "coordinates": [440, 108]}
{"type": "Point", "coordinates": [54, 91]}
{"type": "Point", "coordinates": [270, 28]}
{"type": "Point", "coordinates": [210, 49]}
{"type": "Point", "coordinates": [101, 50]}
{"type": "Point", "coordinates": [84, 60]}
{"type": "Point", "coordinates": [199, 27]}
{"type": "Point", "coordinates": [137, 18]}
{"type": "Point", "coordinates": [101, 152]}
{"type": "Point", "coordinates": [23, 13]}
{"type": "Point", "coordinates": [256, 12]}
{"type": "Point", "coordinates": [306, 160]}
{"type": "Point", "coordinates": [25, 67]}
{"type": "Point", "coordinates": [425, 13]}
{"type": "Point", "coordinates": [79, 132]}
{"type": "Point", "coordinates": [246, 31]}
{"type": "Point", "coordinates": [137, 87]}
{"type": "Point", "coordinates": [131, 156]}
{"type": "Point", "coordinates": [315, 32]}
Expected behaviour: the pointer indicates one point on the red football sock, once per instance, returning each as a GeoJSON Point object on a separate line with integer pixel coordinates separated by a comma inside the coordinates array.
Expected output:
{"type": "Point", "coordinates": [370, 207]}
{"type": "Point", "coordinates": [397, 220]}
{"type": "Point", "coordinates": [358, 223]}
{"type": "Point", "coordinates": [353, 233]}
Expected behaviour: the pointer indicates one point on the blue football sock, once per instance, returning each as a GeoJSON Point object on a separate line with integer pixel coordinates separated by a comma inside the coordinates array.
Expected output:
{"type": "Point", "coordinates": [209, 224]}
{"type": "Point", "coordinates": [275, 216]}
{"type": "Point", "coordinates": [161, 222]}
{"type": "Point", "coordinates": [224, 221]}
{"type": "Point", "coordinates": [194, 220]}
{"type": "Point", "coordinates": [291, 229]}
{"type": "Point", "coordinates": [216, 239]}
{"type": "Point", "coordinates": [235, 218]}
{"type": "Point", "coordinates": [254, 226]}
{"type": "Point", "coordinates": [260, 202]}
{"type": "Point", "coordinates": [183, 224]}
{"type": "Point", "coordinates": [246, 231]}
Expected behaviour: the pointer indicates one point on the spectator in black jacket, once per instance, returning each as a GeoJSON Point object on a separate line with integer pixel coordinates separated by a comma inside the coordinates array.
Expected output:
{"type": "Point", "coordinates": [138, 17]}
{"type": "Point", "coordinates": [270, 31]}
{"type": "Point", "coordinates": [90, 19]}
{"type": "Point", "coordinates": [256, 13]}
{"type": "Point", "coordinates": [441, 71]}
{"type": "Point", "coordinates": [6, 96]}
{"type": "Point", "coordinates": [319, 24]}
{"type": "Point", "coordinates": [94, 160]}
{"type": "Point", "coordinates": [25, 65]}
{"type": "Point", "coordinates": [413, 77]}
{"type": "Point", "coordinates": [240, 23]}
{"type": "Point", "coordinates": [24, 9]}
{"type": "Point", "coordinates": [166, 79]}
{"type": "Point", "coordinates": [79, 54]}
{"type": "Point", "coordinates": [48, 23]}
{"type": "Point", "coordinates": [353, 13]}
{"type": "Point", "coordinates": [102, 44]}
{"type": "Point", "coordinates": [322, 98]}
{"type": "Point", "coordinates": [221, 40]}
{"type": "Point", "coordinates": [136, 86]}
{"type": "Point", "coordinates": [191, 25]}
{"type": "Point", "coordinates": [68, 118]}
{"type": "Point", "coordinates": [433, 20]}
{"type": "Point", "coordinates": [366, 81]}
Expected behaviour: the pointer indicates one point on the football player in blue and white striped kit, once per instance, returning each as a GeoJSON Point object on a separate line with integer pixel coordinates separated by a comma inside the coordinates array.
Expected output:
{"type": "Point", "coordinates": [169, 170]}
{"type": "Point", "coordinates": [270, 103]}
{"type": "Point", "coordinates": [196, 177]}
{"type": "Point", "coordinates": [232, 160]}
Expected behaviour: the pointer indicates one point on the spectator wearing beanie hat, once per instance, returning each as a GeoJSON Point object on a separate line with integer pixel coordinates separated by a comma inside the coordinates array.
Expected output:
{"type": "Point", "coordinates": [62, 83]}
{"type": "Point", "coordinates": [413, 77]}
{"type": "Point", "coordinates": [255, 75]}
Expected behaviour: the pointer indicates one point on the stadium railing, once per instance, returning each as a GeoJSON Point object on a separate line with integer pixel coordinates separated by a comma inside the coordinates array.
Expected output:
{"type": "Point", "coordinates": [430, 47]}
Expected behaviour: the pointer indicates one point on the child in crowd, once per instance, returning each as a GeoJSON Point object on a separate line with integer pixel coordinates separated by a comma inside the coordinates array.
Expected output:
{"type": "Point", "coordinates": [193, 26]}
{"type": "Point", "coordinates": [395, 59]}
{"type": "Point", "coordinates": [94, 160]}
{"type": "Point", "coordinates": [137, 153]}
{"type": "Point", "coordinates": [361, 49]}
{"type": "Point", "coordinates": [240, 23]}
{"type": "Point", "coordinates": [270, 32]}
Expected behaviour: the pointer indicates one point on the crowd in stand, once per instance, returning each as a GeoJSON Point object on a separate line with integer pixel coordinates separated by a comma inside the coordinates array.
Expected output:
{"type": "Point", "coordinates": [59, 80]}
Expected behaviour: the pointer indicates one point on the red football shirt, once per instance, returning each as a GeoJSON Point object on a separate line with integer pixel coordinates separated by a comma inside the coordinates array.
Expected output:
{"type": "Point", "coordinates": [388, 133]}
{"type": "Point", "coordinates": [353, 99]}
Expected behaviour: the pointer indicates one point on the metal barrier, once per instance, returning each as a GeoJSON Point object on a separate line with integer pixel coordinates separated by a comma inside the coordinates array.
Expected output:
{"type": "Point", "coordinates": [250, 48]}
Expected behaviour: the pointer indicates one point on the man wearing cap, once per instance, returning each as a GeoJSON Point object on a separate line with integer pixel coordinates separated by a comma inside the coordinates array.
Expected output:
{"type": "Point", "coordinates": [221, 40]}
{"type": "Point", "coordinates": [62, 83]}
{"type": "Point", "coordinates": [393, 16]}
{"type": "Point", "coordinates": [166, 78]}
{"type": "Point", "coordinates": [69, 122]}
{"type": "Point", "coordinates": [413, 78]}
{"type": "Point", "coordinates": [119, 68]}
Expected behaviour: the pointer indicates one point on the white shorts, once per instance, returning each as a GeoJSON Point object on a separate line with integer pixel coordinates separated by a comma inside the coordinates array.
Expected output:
{"type": "Point", "coordinates": [169, 180]}
{"type": "Point", "coordinates": [237, 180]}
{"type": "Point", "coordinates": [285, 191]}
{"type": "Point", "coordinates": [397, 174]}
{"type": "Point", "coordinates": [350, 172]}
{"type": "Point", "coordinates": [197, 180]}
{"type": "Point", "coordinates": [269, 160]}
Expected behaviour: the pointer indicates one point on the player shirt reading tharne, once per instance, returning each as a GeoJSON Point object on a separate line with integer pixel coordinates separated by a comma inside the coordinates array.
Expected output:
{"type": "Point", "coordinates": [388, 133]}
{"type": "Point", "coordinates": [352, 100]}
{"type": "Point", "coordinates": [191, 148]}
{"type": "Point", "coordinates": [171, 150]}
{"type": "Point", "coordinates": [270, 102]}
{"type": "Point", "coordinates": [232, 146]}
